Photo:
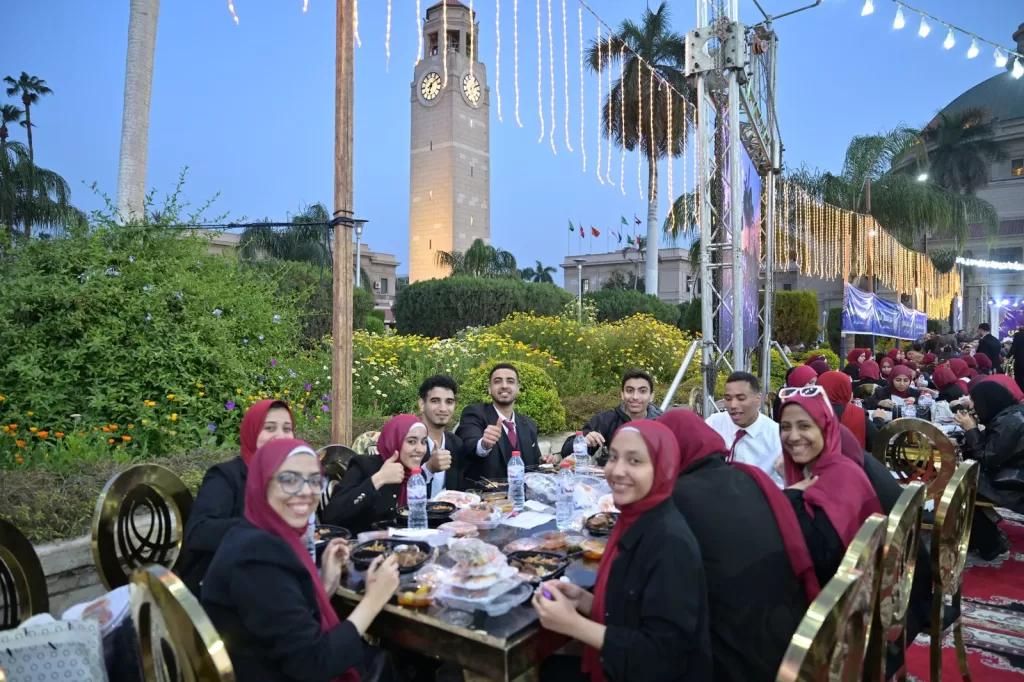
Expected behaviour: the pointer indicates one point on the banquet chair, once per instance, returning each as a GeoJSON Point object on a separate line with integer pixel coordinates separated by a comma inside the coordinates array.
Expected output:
{"type": "Point", "coordinates": [899, 562]}
{"type": "Point", "coordinates": [177, 641]}
{"type": "Point", "coordinates": [831, 641]}
{"type": "Point", "coordinates": [139, 520]}
{"type": "Point", "coordinates": [23, 592]}
{"type": "Point", "coordinates": [893, 447]}
{"type": "Point", "coordinates": [366, 443]}
{"type": "Point", "coordinates": [865, 391]}
{"type": "Point", "coordinates": [950, 535]}
{"type": "Point", "coordinates": [334, 459]}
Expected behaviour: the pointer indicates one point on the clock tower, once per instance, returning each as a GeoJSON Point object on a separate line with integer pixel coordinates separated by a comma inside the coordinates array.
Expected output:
{"type": "Point", "coordinates": [450, 166]}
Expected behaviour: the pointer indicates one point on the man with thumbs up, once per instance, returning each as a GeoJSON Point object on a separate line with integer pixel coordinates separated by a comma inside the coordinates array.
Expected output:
{"type": "Point", "coordinates": [438, 400]}
{"type": "Point", "coordinates": [490, 433]}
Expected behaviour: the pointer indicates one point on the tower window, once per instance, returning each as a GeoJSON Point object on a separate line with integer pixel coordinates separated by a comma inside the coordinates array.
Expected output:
{"type": "Point", "coordinates": [469, 45]}
{"type": "Point", "coordinates": [1017, 168]}
{"type": "Point", "coordinates": [453, 41]}
{"type": "Point", "coordinates": [432, 49]}
{"type": "Point", "coordinates": [470, 171]}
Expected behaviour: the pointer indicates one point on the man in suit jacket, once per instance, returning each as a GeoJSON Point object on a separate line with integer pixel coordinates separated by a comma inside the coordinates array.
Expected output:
{"type": "Point", "coordinates": [989, 345]}
{"type": "Point", "coordinates": [443, 464]}
{"type": "Point", "coordinates": [491, 432]}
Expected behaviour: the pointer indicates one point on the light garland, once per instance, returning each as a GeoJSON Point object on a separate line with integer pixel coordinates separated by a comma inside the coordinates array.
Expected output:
{"type": "Point", "coordinates": [305, 5]}
{"type": "Point", "coordinates": [583, 108]}
{"type": "Point", "coordinates": [387, 40]}
{"type": "Point", "coordinates": [650, 141]}
{"type": "Point", "coordinates": [600, 101]}
{"type": "Point", "coordinates": [497, 55]}
{"type": "Point", "coordinates": [444, 40]}
{"type": "Point", "coordinates": [355, 21]}
{"type": "Point", "coordinates": [639, 127]}
{"type": "Point", "coordinates": [419, 34]}
{"type": "Point", "coordinates": [608, 161]}
{"type": "Point", "coordinates": [515, 47]}
{"type": "Point", "coordinates": [231, 8]}
{"type": "Point", "coordinates": [565, 73]}
{"type": "Point", "coordinates": [622, 120]}
{"type": "Point", "coordinates": [540, 76]}
{"type": "Point", "coordinates": [551, 77]}
{"type": "Point", "coordinates": [472, 38]}
{"type": "Point", "coordinates": [990, 264]}
{"type": "Point", "coordinates": [669, 139]}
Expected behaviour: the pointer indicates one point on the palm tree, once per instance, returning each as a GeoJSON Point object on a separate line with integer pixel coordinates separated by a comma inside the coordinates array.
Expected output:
{"type": "Point", "coordinates": [540, 274]}
{"type": "Point", "coordinates": [31, 88]}
{"type": "Point", "coordinates": [32, 195]}
{"type": "Point", "coordinates": [961, 148]}
{"type": "Point", "coordinates": [8, 114]}
{"type": "Point", "coordinates": [479, 260]}
{"type": "Point", "coordinates": [307, 241]}
{"type": "Point", "coordinates": [664, 51]}
{"type": "Point", "coordinates": [138, 86]}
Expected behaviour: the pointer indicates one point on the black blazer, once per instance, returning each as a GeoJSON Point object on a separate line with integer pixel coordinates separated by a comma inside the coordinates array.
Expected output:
{"type": "Point", "coordinates": [990, 346]}
{"type": "Point", "coordinates": [755, 600]}
{"type": "Point", "coordinates": [260, 597]}
{"type": "Point", "coordinates": [356, 503]}
{"type": "Point", "coordinates": [218, 509]}
{"type": "Point", "coordinates": [656, 604]}
{"type": "Point", "coordinates": [452, 477]}
{"type": "Point", "coordinates": [476, 418]}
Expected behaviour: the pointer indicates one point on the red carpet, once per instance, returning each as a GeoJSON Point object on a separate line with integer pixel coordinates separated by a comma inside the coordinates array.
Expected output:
{"type": "Point", "coordinates": [993, 609]}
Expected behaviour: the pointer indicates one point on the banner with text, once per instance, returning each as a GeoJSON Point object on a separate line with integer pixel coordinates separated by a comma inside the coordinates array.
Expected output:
{"type": "Point", "coordinates": [865, 313]}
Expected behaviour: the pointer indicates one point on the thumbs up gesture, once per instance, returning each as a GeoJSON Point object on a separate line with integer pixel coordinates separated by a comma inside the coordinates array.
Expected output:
{"type": "Point", "coordinates": [392, 472]}
{"type": "Point", "coordinates": [440, 460]}
{"type": "Point", "coordinates": [492, 434]}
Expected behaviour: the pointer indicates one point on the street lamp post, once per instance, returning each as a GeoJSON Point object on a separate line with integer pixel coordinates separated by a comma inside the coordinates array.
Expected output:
{"type": "Point", "coordinates": [579, 287]}
{"type": "Point", "coordinates": [359, 236]}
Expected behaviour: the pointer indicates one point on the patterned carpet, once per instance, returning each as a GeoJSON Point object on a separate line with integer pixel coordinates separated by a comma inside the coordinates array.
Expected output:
{"type": "Point", "coordinates": [993, 610]}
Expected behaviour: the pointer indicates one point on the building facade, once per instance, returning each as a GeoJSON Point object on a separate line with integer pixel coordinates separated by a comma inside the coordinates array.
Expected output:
{"type": "Point", "coordinates": [450, 167]}
{"type": "Point", "coordinates": [677, 279]}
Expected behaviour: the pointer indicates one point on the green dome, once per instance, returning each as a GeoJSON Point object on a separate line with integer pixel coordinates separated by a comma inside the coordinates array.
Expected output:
{"type": "Point", "coordinates": [1001, 95]}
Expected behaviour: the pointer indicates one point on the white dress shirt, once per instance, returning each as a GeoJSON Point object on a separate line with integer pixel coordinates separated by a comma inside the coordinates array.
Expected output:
{"type": "Point", "coordinates": [435, 481]}
{"type": "Point", "coordinates": [761, 447]}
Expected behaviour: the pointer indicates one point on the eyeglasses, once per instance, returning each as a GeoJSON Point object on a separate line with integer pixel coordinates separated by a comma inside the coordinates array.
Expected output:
{"type": "Point", "coordinates": [292, 483]}
{"type": "Point", "coordinates": [803, 391]}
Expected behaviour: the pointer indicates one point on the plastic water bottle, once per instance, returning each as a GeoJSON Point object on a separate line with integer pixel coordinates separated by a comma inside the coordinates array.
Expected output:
{"type": "Point", "coordinates": [517, 482]}
{"type": "Point", "coordinates": [416, 494]}
{"type": "Point", "coordinates": [581, 453]}
{"type": "Point", "coordinates": [310, 536]}
{"type": "Point", "coordinates": [910, 411]}
{"type": "Point", "coordinates": [564, 504]}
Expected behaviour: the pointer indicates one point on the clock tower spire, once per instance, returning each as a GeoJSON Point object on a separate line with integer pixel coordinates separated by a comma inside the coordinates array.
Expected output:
{"type": "Point", "coordinates": [450, 168]}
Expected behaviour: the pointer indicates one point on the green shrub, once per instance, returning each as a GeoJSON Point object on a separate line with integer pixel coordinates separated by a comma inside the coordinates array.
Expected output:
{"type": "Point", "coordinates": [443, 307]}
{"type": "Point", "coordinates": [938, 326]}
{"type": "Point", "coordinates": [362, 303]}
{"type": "Point", "coordinates": [374, 326]}
{"type": "Point", "coordinates": [830, 357]}
{"type": "Point", "coordinates": [616, 304]}
{"type": "Point", "coordinates": [692, 322]}
{"type": "Point", "coordinates": [795, 317]}
{"type": "Point", "coordinates": [376, 312]}
{"type": "Point", "coordinates": [580, 408]}
{"type": "Point", "coordinates": [538, 396]}
{"type": "Point", "coordinates": [834, 328]}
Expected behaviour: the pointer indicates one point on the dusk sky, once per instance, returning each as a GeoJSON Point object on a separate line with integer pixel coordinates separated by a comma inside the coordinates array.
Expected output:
{"type": "Point", "coordinates": [250, 108]}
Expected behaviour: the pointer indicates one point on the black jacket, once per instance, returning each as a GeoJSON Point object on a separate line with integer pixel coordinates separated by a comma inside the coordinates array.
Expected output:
{"type": "Point", "coordinates": [656, 604]}
{"type": "Point", "coordinates": [990, 346]}
{"type": "Point", "coordinates": [1017, 348]}
{"type": "Point", "coordinates": [1000, 446]}
{"type": "Point", "coordinates": [606, 424]}
{"type": "Point", "coordinates": [452, 477]}
{"type": "Point", "coordinates": [951, 393]}
{"type": "Point", "coordinates": [261, 599]}
{"type": "Point", "coordinates": [886, 394]}
{"type": "Point", "coordinates": [477, 417]}
{"type": "Point", "coordinates": [356, 503]}
{"type": "Point", "coordinates": [218, 509]}
{"type": "Point", "coordinates": [823, 542]}
{"type": "Point", "coordinates": [870, 429]}
{"type": "Point", "coordinates": [755, 600]}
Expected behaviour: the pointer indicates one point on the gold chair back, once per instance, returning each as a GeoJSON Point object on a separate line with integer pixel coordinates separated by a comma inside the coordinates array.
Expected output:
{"type": "Point", "coordinates": [23, 592]}
{"type": "Point", "coordinates": [335, 459]}
{"type": "Point", "coordinates": [902, 536]}
{"type": "Point", "coordinates": [177, 641]}
{"type": "Point", "coordinates": [864, 391]}
{"type": "Point", "coordinates": [916, 462]}
{"type": "Point", "coordinates": [139, 520]}
{"type": "Point", "coordinates": [366, 443]}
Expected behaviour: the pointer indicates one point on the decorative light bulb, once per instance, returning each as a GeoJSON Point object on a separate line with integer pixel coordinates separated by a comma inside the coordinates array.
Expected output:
{"type": "Point", "coordinates": [925, 29]}
{"type": "Point", "coordinates": [1000, 59]}
{"type": "Point", "coordinates": [899, 22]}
{"type": "Point", "coordinates": [950, 40]}
{"type": "Point", "coordinates": [972, 51]}
{"type": "Point", "coordinates": [869, 7]}
{"type": "Point", "coordinates": [1018, 68]}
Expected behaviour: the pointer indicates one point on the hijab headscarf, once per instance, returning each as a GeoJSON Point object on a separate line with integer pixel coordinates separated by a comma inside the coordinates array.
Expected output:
{"type": "Point", "coordinates": [900, 371]}
{"type": "Point", "coordinates": [392, 437]}
{"type": "Point", "coordinates": [663, 449]}
{"type": "Point", "coordinates": [869, 369]}
{"type": "Point", "coordinates": [820, 366]}
{"type": "Point", "coordinates": [971, 361]}
{"type": "Point", "coordinates": [801, 376]}
{"type": "Point", "coordinates": [944, 377]}
{"type": "Point", "coordinates": [894, 355]}
{"type": "Point", "coordinates": [973, 374]}
{"type": "Point", "coordinates": [697, 441]}
{"type": "Point", "coordinates": [930, 358]}
{"type": "Point", "coordinates": [842, 490]}
{"type": "Point", "coordinates": [814, 358]}
{"type": "Point", "coordinates": [984, 362]}
{"type": "Point", "coordinates": [839, 389]}
{"type": "Point", "coordinates": [886, 362]}
{"type": "Point", "coordinates": [264, 463]}
{"type": "Point", "coordinates": [960, 368]}
{"type": "Point", "coordinates": [992, 396]}
{"type": "Point", "coordinates": [252, 425]}
{"type": "Point", "coordinates": [853, 357]}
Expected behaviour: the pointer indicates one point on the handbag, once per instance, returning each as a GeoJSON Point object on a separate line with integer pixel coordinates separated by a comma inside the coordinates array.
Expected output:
{"type": "Point", "coordinates": [1009, 479]}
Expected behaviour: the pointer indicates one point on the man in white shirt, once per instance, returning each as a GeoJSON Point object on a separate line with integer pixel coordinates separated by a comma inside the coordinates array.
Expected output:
{"type": "Point", "coordinates": [752, 437]}
{"type": "Point", "coordinates": [438, 398]}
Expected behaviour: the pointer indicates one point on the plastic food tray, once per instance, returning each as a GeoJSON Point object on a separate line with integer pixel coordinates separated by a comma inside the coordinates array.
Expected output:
{"type": "Point", "coordinates": [515, 593]}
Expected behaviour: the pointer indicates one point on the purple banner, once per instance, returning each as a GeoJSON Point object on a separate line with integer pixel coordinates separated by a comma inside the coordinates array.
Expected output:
{"type": "Point", "coordinates": [749, 277]}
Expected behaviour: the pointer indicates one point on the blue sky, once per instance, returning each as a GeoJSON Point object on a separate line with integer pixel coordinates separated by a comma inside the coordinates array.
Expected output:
{"type": "Point", "coordinates": [250, 108]}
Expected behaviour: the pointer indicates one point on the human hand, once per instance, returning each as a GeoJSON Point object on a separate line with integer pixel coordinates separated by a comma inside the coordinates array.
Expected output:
{"type": "Point", "coordinates": [440, 460]}
{"type": "Point", "coordinates": [382, 579]}
{"type": "Point", "coordinates": [492, 434]}
{"type": "Point", "coordinates": [964, 420]}
{"type": "Point", "coordinates": [333, 560]}
{"type": "Point", "coordinates": [392, 472]}
{"type": "Point", "coordinates": [888, 404]}
{"type": "Point", "coordinates": [880, 414]}
{"type": "Point", "coordinates": [804, 484]}
{"type": "Point", "coordinates": [580, 598]}
{"type": "Point", "coordinates": [547, 459]}
{"type": "Point", "coordinates": [557, 614]}
{"type": "Point", "coordinates": [780, 466]}
{"type": "Point", "coordinates": [594, 439]}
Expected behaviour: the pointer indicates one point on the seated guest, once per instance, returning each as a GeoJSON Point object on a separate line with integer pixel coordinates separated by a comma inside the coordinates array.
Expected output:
{"type": "Point", "coordinates": [374, 487]}
{"type": "Point", "coordinates": [999, 449]}
{"type": "Point", "coordinates": [929, 361]}
{"type": "Point", "coordinates": [897, 355]}
{"type": "Point", "coordinates": [796, 377]}
{"type": "Point", "coordinates": [984, 364]}
{"type": "Point", "coordinates": [438, 399]}
{"type": "Point", "coordinates": [830, 494]}
{"type": "Point", "coordinates": [759, 573]}
{"type": "Point", "coordinates": [899, 386]}
{"type": "Point", "coordinates": [870, 373]}
{"type": "Point", "coordinates": [853, 360]}
{"type": "Point", "coordinates": [839, 390]}
{"type": "Point", "coordinates": [647, 618]}
{"type": "Point", "coordinates": [264, 594]}
{"type": "Point", "coordinates": [819, 366]}
{"type": "Point", "coordinates": [752, 437]}
{"type": "Point", "coordinates": [950, 388]}
{"type": "Point", "coordinates": [961, 369]}
{"type": "Point", "coordinates": [220, 501]}
{"type": "Point", "coordinates": [885, 366]}
{"type": "Point", "coordinates": [637, 392]}
{"type": "Point", "coordinates": [971, 362]}
{"type": "Point", "coordinates": [491, 432]}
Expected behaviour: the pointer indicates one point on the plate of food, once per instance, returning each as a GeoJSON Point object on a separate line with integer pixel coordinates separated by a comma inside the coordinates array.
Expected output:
{"type": "Point", "coordinates": [593, 549]}
{"type": "Point", "coordinates": [523, 545]}
{"type": "Point", "coordinates": [418, 596]}
{"type": "Point", "coordinates": [460, 529]}
{"type": "Point", "coordinates": [601, 524]}
{"type": "Point", "coordinates": [536, 566]}
{"type": "Point", "coordinates": [458, 498]}
{"type": "Point", "coordinates": [552, 540]}
{"type": "Point", "coordinates": [489, 487]}
{"type": "Point", "coordinates": [411, 555]}
{"type": "Point", "coordinates": [484, 520]}
{"type": "Point", "coordinates": [438, 512]}
{"type": "Point", "coordinates": [324, 533]}
{"type": "Point", "coordinates": [606, 503]}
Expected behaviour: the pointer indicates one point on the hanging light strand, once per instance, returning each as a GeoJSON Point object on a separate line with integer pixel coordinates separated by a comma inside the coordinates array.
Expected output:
{"type": "Point", "coordinates": [608, 161]}
{"type": "Point", "coordinates": [472, 38]}
{"type": "Point", "coordinates": [622, 120]}
{"type": "Point", "coordinates": [540, 76]}
{"type": "Point", "coordinates": [355, 21]}
{"type": "Point", "coordinates": [551, 77]}
{"type": "Point", "coordinates": [639, 127]}
{"type": "Point", "coordinates": [652, 145]}
{"type": "Point", "coordinates": [583, 108]}
{"type": "Point", "coordinates": [231, 8]}
{"type": "Point", "coordinates": [600, 98]}
{"type": "Point", "coordinates": [497, 55]}
{"type": "Point", "coordinates": [515, 48]}
{"type": "Point", "coordinates": [565, 72]}
{"type": "Point", "coordinates": [419, 34]}
{"type": "Point", "coordinates": [387, 41]}
{"type": "Point", "coordinates": [950, 40]}
{"type": "Point", "coordinates": [669, 146]}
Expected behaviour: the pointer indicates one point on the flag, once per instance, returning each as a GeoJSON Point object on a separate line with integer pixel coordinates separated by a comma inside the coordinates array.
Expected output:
{"type": "Point", "coordinates": [629, 240]}
{"type": "Point", "coordinates": [583, 233]}
{"type": "Point", "coordinates": [624, 221]}
{"type": "Point", "coordinates": [636, 220]}
{"type": "Point", "coordinates": [595, 232]}
{"type": "Point", "coordinates": [619, 235]}
{"type": "Point", "coordinates": [571, 228]}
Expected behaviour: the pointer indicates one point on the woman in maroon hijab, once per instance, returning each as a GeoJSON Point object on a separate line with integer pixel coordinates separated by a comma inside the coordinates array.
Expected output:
{"type": "Point", "coordinates": [221, 498]}
{"type": "Point", "coordinates": [839, 390]}
{"type": "Point", "coordinates": [853, 360]}
{"type": "Point", "coordinates": [901, 384]}
{"type": "Point", "coordinates": [830, 494]}
{"type": "Point", "coordinates": [950, 388]}
{"type": "Point", "coordinates": [759, 572]}
{"type": "Point", "coordinates": [265, 595]}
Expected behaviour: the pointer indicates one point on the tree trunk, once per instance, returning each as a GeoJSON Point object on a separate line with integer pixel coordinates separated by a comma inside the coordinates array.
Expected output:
{"type": "Point", "coordinates": [138, 87]}
{"type": "Point", "coordinates": [28, 127]}
{"type": "Point", "coordinates": [651, 272]}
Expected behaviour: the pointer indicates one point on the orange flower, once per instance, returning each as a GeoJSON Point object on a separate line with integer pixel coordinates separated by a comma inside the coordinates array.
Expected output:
{"type": "Point", "coordinates": [59, 434]}
{"type": "Point", "coordinates": [20, 459]}
{"type": "Point", "coordinates": [113, 427]}
{"type": "Point", "coordinates": [81, 433]}
{"type": "Point", "coordinates": [105, 429]}
{"type": "Point", "coordinates": [126, 438]}
{"type": "Point", "coordinates": [43, 434]}
{"type": "Point", "coordinates": [20, 443]}
{"type": "Point", "coordinates": [13, 426]}
{"type": "Point", "coordinates": [31, 413]}
{"type": "Point", "coordinates": [110, 440]}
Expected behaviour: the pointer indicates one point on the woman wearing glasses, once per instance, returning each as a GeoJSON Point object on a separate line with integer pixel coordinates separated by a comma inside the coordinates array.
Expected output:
{"type": "Point", "coordinates": [265, 595]}
{"type": "Point", "coordinates": [830, 493]}
{"type": "Point", "coordinates": [374, 487]}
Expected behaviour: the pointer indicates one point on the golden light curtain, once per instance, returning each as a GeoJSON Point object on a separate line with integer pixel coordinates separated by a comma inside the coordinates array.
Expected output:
{"type": "Point", "coordinates": [819, 238]}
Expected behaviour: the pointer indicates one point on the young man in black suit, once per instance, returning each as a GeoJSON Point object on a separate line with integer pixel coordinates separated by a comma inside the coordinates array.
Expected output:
{"type": "Point", "coordinates": [438, 398]}
{"type": "Point", "coordinates": [491, 432]}
{"type": "Point", "coordinates": [989, 345]}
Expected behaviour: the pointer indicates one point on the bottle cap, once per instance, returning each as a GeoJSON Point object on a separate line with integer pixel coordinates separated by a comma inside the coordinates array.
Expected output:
{"type": "Point", "coordinates": [579, 433]}
{"type": "Point", "coordinates": [417, 470]}
{"type": "Point", "coordinates": [565, 464]}
{"type": "Point", "coordinates": [515, 453]}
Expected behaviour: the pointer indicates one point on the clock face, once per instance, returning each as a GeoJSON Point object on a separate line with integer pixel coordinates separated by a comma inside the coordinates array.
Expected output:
{"type": "Point", "coordinates": [430, 88]}
{"type": "Point", "coordinates": [471, 88]}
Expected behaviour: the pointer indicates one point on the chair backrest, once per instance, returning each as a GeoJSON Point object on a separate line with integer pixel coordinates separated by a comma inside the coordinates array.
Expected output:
{"type": "Point", "coordinates": [864, 391]}
{"type": "Point", "coordinates": [334, 459]}
{"type": "Point", "coordinates": [951, 532]}
{"type": "Point", "coordinates": [366, 443]}
{"type": "Point", "coordinates": [891, 449]}
{"type": "Point", "coordinates": [139, 519]}
{"type": "Point", "coordinates": [903, 533]}
{"type": "Point", "coordinates": [176, 638]}
{"type": "Point", "coordinates": [23, 592]}
{"type": "Point", "coordinates": [864, 558]}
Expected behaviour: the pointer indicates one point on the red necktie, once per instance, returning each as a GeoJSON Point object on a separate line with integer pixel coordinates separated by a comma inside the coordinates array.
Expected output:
{"type": "Point", "coordinates": [513, 439]}
{"type": "Point", "coordinates": [735, 442]}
